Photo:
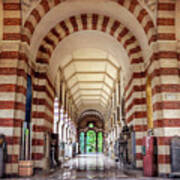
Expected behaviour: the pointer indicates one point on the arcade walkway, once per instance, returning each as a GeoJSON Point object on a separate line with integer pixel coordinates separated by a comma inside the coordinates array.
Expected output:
{"type": "Point", "coordinates": [94, 166]}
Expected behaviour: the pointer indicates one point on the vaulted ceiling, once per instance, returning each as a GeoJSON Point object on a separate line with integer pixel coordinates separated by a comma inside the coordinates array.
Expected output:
{"type": "Point", "coordinates": [90, 42]}
{"type": "Point", "coordinates": [90, 77]}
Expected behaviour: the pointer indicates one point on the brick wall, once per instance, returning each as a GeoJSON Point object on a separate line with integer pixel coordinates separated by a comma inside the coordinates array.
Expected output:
{"type": "Point", "coordinates": [162, 66]}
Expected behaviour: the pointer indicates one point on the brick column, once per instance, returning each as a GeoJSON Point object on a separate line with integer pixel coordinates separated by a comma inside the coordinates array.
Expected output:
{"type": "Point", "coordinates": [42, 114]}
{"type": "Point", "coordinates": [12, 81]}
{"type": "Point", "coordinates": [165, 84]}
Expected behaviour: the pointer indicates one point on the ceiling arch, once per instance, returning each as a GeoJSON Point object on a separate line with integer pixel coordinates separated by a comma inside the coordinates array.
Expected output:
{"type": "Point", "coordinates": [90, 116]}
{"type": "Point", "coordinates": [91, 112]}
{"type": "Point", "coordinates": [99, 41]}
{"type": "Point", "coordinates": [40, 20]}
{"type": "Point", "coordinates": [142, 26]}
{"type": "Point", "coordinates": [89, 22]}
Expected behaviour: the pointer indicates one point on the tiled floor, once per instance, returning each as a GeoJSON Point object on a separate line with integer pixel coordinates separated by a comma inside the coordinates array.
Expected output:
{"type": "Point", "coordinates": [94, 166]}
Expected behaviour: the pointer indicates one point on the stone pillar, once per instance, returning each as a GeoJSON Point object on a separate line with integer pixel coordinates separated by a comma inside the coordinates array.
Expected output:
{"type": "Point", "coordinates": [85, 136]}
{"type": "Point", "coordinates": [165, 84]}
{"type": "Point", "coordinates": [13, 70]}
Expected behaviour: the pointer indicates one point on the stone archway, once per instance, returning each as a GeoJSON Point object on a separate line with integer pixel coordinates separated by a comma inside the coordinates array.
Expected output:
{"type": "Point", "coordinates": [133, 7]}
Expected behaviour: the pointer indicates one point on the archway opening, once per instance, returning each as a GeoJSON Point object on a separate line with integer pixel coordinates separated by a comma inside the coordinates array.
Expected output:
{"type": "Point", "coordinates": [93, 75]}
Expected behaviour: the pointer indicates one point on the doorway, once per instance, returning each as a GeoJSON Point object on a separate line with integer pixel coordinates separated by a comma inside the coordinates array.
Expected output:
{"type": "Point", "coordinates": [91, 141]}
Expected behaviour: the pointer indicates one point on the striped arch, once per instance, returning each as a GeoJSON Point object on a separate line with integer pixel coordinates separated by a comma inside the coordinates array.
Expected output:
{"type": "Point", "coordinates": [132, 6]}
{"type": "Point", "coordinates": [135, 91]}
{"type": "Point", "coordinates": [90, 22]}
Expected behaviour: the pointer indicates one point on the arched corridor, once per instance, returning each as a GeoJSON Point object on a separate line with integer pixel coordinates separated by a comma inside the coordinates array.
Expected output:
{"type": "Point", "coordinates": [89, 78]}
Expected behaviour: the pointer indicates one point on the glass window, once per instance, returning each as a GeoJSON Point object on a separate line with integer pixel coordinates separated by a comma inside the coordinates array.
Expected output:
{"type": "Point", "coordinates": [91, 141]}
{"type": "Point", "coordinates": [100, 142]}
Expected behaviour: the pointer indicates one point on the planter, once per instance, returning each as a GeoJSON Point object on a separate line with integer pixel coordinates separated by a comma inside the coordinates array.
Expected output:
{"type": "Point", "coordinates": [25, 168]}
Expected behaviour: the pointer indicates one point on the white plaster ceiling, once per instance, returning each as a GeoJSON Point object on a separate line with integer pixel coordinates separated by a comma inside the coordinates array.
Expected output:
{"type": "Point", "coordinates": [90, 77]}
{"type": "Point", "coordinates": [113, 50]}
